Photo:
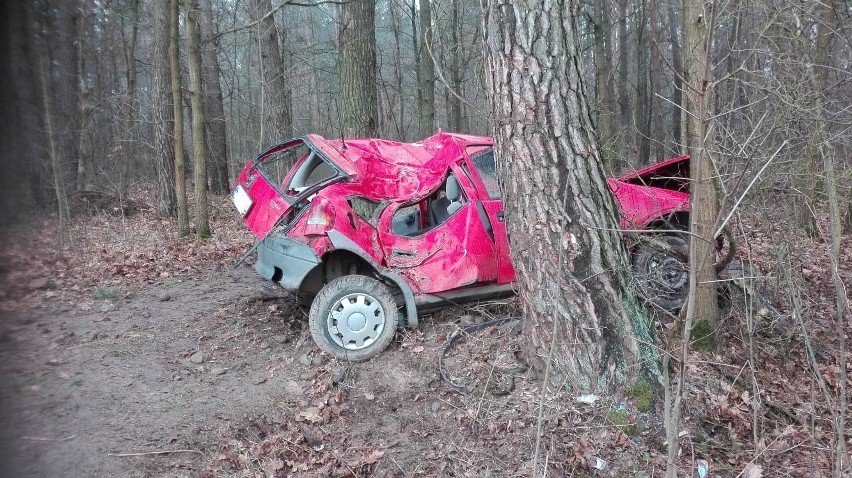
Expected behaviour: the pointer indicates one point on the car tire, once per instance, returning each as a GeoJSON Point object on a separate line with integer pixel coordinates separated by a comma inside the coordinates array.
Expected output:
{"type": "Point", "coordinates": [661, 270]}
{"type": "Point", "coordinates": [353, 318]}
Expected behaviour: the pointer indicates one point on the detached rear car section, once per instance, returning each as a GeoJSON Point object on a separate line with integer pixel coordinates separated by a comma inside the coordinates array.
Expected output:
{"type": "Point", "coordinates": [372, 233]}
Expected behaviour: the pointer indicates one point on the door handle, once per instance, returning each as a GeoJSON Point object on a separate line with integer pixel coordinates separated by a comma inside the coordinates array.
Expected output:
{"type": "Point", "coordinates": [500, 216]}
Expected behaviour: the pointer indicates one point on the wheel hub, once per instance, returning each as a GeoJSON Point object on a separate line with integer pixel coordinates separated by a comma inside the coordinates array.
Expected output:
{"type": "Point", "coordinates": [356, 321]}
{"type": "Point", "coordinates": [669, 272]}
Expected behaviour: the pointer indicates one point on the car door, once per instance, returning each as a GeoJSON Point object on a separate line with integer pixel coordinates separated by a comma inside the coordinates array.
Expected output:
{"type": "Point", "coordinates": [435, 257]}
{"type": "Point", "coordinates": [480, 167]}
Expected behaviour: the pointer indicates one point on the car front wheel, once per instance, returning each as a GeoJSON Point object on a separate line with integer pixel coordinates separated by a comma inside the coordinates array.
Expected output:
{"type": "Point", "coordinates": [353, 318]}
{"type": "Point", "coordinates": [661, 270]}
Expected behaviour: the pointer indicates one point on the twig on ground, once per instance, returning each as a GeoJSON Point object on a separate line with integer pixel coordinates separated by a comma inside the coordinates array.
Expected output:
{"type": "Point", "coordinates": [48, 439]}
{"type": "Point", "coordinates": [158, 452]}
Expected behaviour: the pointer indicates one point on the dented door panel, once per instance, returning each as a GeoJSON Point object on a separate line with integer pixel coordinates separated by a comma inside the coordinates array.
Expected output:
{"type": "Point", "coordinates": [455, 254]}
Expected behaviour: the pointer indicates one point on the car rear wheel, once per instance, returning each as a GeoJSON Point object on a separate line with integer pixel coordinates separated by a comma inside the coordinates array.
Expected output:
{"type": "Point", "coordinates": [661, 270]}
{"type": "Point", "coordinates": [353, 318]}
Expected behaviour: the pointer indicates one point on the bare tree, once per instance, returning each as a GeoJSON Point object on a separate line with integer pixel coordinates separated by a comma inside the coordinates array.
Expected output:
{"type": "Point", "coordinates": [163, 109]}
{"type": "Point", "coordinates": [214, 109]}
{"type": "Point", "coordinates": [177, 93]}
{"type": "Point", "coordinates": [196, 100]}
{"type": "Point", "coordinates": [128, 147]}
{"type": "Point", "coordinates": [697, 19]}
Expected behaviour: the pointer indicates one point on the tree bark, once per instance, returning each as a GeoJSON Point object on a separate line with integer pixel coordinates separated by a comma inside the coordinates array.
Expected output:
{"type": "Point", "coordinates": [163, 110]}
{"type": "Point", "coordinates": [357, 68]}
{"type": "Point", "coordinates": [677, 66]}
{"type": "Point", "coordinates": [128, 145]}
{"type": "Point", "coordinates": [561, 218]}
{"type": "Point", "coordinates": [704, 201]}
{"type": "Point", "coordinates": [454, 103]}
{"type": "Point", "coordinates": [276, 90]}
{"type": "Point", "coordinates": [196, 100]}
{"type": "Point", "coordinates": [84, 133]}
{"type": "Point", "coordinates": [214, 109]}
{"type": "Point", "coordinates": [643, 109]}
{"type": "Point", "coordinates": [427, 71]}
{"type": "Point", "coordinates": [53, 142]}
{"type": "Point", "coordinates": [603, 94]}
{"type": "Point", "coordinates": [177, 94]}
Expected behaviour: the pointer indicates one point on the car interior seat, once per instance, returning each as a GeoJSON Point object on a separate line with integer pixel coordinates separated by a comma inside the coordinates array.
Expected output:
{"type": "Point", "coordinates": [442, 208]}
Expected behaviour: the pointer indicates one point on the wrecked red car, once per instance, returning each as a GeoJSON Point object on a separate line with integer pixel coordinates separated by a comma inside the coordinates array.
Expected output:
{"type": "Point", "coordinates": [372, 233]}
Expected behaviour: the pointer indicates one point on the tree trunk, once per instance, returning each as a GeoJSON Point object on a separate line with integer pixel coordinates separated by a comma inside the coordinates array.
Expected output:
{"type": "Point", "coordinates": [561, 218]}
{"type": "Point", "coordinates": [396, 27]}
{"type": "Point", "coordinates": [454, 103]}
{"type": "Point", "coordinates": [677, 66]}
{"type": "Point", "coordinates": [163, 110]}
{"type": "Point", "coordinates": [427, 71]}
{"type": "Point", "coordinates": [603, 94]}
{"type": "Point", "coordinates": [276, 90]}
{"type": "Point", "coordinates": [214, 109]}
{"type": "Point", "coordinates": [53, 143]}
{"type": "Point", "coordinates": [177, 94]}
{"type": "Point", "coordinates": [64, 55]}
{"type": "Point", "coordinates": [357, 68]}
{"type": "Point", "coordinates": [84, 134]}
{"type": "Point", "coordinates": [128, 145]}
{"type": "Point", "coordinates": [20, 183]}
{"type": "Point", "coordinates": [704, 202]}
{"type": "Point", "coordinates": [196, 101]}
{"type": "Point", "coordinates": [625, 115]}
{"type": "Point", "coordinates": [643, 109]}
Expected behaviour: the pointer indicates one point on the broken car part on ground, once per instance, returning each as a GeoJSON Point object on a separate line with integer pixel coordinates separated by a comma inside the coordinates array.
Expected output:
{"type": "Point", "coordinates": [370, 233]}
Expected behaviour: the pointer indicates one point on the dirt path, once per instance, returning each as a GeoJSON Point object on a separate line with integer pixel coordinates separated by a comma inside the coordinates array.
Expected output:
{"type": "Point", "coordinates": [167, 368]}
{"type": "Point", "coordinates": [213, 366]}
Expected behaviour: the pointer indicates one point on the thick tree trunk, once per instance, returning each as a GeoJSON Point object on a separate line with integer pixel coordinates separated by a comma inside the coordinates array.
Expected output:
{"type": "Point", "coordinates": [427, 71]}
{"type": "Point", "coordinates": [163, 110]}
{"type": "Point", "coordinates": [196, 101]}
{"type": "Point", "coordinates": [276, 89]}
{"type": "Point", "coordinates": [177, 93]}
{"type": "Point", "coordinates": [18, 96]}
{"type": "Point", "coordinates": [214, 109]}
{"type": "Point", "coordinates": [570, 260]}
{"type": "Point", "coordinates": [357, 68]}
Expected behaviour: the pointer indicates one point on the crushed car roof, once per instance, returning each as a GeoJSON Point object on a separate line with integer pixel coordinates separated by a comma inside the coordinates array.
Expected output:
{"type": "Point", "coordinates": [394, 170]}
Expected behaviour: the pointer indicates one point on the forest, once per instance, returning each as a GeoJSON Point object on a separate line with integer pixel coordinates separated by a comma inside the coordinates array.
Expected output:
{"type": "Point", "coordinates": [127, 123]}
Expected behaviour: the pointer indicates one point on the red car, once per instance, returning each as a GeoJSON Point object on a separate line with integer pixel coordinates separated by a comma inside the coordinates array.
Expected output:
{"type": "Point", "coordinates": [372, 232]}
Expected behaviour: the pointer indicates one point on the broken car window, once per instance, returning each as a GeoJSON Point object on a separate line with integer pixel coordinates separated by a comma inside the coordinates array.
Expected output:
{"type": "Point", "coordinates": [313, 170]}
{"type": "Point", "coordinates": [276, 166]}
{"type": "Point", "coordinates": [364, 208]}
{"type": "Point", "coordinates": [484, 163]}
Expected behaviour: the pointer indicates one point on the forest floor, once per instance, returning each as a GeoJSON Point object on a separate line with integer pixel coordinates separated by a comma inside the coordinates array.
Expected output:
{"type": "Point", "coordinates": [126, 352]}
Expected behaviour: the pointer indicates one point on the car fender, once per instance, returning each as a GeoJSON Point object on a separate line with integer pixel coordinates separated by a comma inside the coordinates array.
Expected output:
{"type": "Point", "coordinates": [343, 243]}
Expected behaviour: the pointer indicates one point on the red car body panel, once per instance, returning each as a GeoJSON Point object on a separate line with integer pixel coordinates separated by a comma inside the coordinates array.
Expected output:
{"type": "Point", "coordinates": [399, 183]}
